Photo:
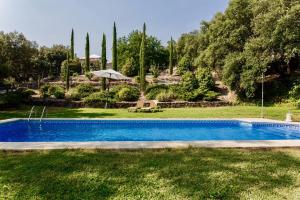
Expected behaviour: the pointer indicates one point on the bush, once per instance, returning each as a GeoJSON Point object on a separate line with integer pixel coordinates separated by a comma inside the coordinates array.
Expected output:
{"type": "Point", "coordinates": [57, 91]}
{"type": "Point", "coordinates": [52, 90]}
{"type": "Point", "coordinates": [166, 97]}
{"type": "Point", "coordinates": [153, 90]}
{"type": "Point", "coordinates": [21, 95]}
{"type": "Point", "coordinates": [211, 96]}
{"type": "Point", "coordinates": [25, 92]}
{"type": "Point", "coordinates": [74, 68]}
{"type": "Point", "coordinates": [99, 99]}
{"type": "Point", "coordinates": [89, 75]}
{"type": "Point", "coordinates": [82, 91]}
{"type": "Point", "coordinates": [155, 71]}
{"type": "Point", "coordinates": [128, 94]}
{"type": "Point", "coordinates": [189, 82]}
{"type": "Point", "coordinates": [294, 93]}
{"type": "Point", "coordinates": [205, 78]}
{"type": "Point", "coordinates": [185, 64]}
{"type": "Point", "coordinates": [44, 91]}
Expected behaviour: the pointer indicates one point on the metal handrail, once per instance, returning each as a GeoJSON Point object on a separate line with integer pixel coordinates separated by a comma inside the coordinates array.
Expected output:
{"type": "Point", "coordinates": [28, 119]}
{"type": "Point", "coordinates": [43, 113]}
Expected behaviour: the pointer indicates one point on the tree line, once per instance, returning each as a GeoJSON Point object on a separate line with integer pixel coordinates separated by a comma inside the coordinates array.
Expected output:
{"type": "Point", "coordinates": [250, 40]}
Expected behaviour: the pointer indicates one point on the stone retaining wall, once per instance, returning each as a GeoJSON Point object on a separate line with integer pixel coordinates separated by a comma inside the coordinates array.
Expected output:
{"type": "Point", "coordinates": [80, 104]}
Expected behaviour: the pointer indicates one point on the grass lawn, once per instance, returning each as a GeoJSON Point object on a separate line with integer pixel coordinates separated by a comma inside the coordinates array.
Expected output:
{"type": "Point", "coordinates": [151, 174]}
{"type": "Point", "coordinates": [272, 112]}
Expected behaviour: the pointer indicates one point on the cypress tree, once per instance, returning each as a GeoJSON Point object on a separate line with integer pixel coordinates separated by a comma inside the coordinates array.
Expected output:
{"type": "Point", "coordinates": [72, 45]}
{"type": "Point", "coordinates": [68, 73]}
{"type": "Point", "coordinates": [142, 60]}
{"type": "Point", "coordinates": [87, 54]}
{"type": "Point", "coordinates": [103, 60]}
{"type": "Point", "coordinates": [171, 57]}
{"type": "Point", "coordinates": [114, 49]}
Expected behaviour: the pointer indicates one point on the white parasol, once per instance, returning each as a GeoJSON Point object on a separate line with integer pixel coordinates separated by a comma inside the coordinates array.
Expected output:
{"type": "Point", "coordinates": [111, 74]}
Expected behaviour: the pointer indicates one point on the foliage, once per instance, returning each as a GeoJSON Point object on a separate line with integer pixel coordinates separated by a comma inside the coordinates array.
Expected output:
{"type": "Point", "coordinates": [155, 71]}
{"type": "Point", "coordinates": [15, 55]}
{"type": "Point", "coordinates": [171, 56]}
{"type": "Point", "coordinates": [115, 49]}
{"type": "Point", "coordinates": [250, 38]}
{"type": "Point", "coordinates": [211, 96]}
{"type": "Point", "coordinates": [142, 70]}
{"type": "Point", "coordinates": [166, 96]}
{"type": "Point", "coordinates": [185, 64]}
{"type": "Point", "coordinates": [129, 49]}
{"type": "Point", "coordinates": [52, 90]}
{"type": "Point", "coordinates": [128, 68]}
{"type": "Point", "coordinates": [87, 54]}
{"type": "Point", "coordinates": [153, 90]}
{"type": "Point", "coordinates": [15, 98]}
{"type": "Point", "coordinates": [81, 91]}
{"type": "Point", "coordinates": [205, 79]}
{"type": "Point", "coordinates": [72, 51]}
{"type": "Point", "coordinates": [125, 92]}
{"type": "Point", "coordinates": [99, 99]}
{"type": "Point", "coordinates": [294, 93]}
{"type": "Point", "coordinates": [128, 94]}
{"type": "Point", "coordinates": [103, 61]}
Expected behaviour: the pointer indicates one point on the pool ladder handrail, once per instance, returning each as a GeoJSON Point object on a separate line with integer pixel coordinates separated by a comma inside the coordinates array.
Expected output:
{"type": "Point", "coordinates": [31, 111]}
{"type": "Point", "coordinates": [43, 113]}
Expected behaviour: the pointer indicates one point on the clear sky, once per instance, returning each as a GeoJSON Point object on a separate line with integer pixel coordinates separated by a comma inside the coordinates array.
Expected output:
{"type": "Point", "coordinates": [50, 22]}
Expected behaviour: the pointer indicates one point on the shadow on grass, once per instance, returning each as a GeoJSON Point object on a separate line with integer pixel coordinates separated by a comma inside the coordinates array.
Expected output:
{"type": "Point", "coordinates": [147, 174]}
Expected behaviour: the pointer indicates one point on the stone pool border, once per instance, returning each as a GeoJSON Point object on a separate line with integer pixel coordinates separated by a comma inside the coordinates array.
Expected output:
{"type": "Point", "coordinates": [153, 145]}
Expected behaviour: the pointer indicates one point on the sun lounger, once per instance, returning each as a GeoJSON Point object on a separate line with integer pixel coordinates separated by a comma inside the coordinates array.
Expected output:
{"type": "Point", "coordinates": [152, 108]}
{"type": "Point", "coordinates": [139, 105]}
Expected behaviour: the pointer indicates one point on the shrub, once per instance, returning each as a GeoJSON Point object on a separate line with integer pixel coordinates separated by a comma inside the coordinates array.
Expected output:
{"type": "Point", "coordinates": [129, 68]}
{"type": "Point", "coordinates": [81, 91]}
{"type": "Point", "coordinates": [74, 68]}
{"type": "Point", "coordinates": [211, 96]}
{"type": "Point", "coordinates": [99, 99]}
{"type": "Point", "coordinates": [297, 104]}
{"type": "Point", "coordinates": [155, 71]}
{"type": "Point", "coordinates": [15, 98]}
{"type": "Point", "coordinates": [136, 79]}
{"type": "Point", "coordinates": [57, 91]}
{"type": "Point", "coordinates": [184, 64]}
{"type": "Point", "coordinates": [25, 92]}
{"type": "Point", "coordinates": [153, 90]}
{"type": "Point", "coordinates": [166, 97]}
{"type": "Point", "coordinates": [205, 78]}
{"type": "Point", "coordinates": [294, 93]}
{"type": "Point", "coordinates": [189, 82]}
{"type": "Point", "coordinates": [44, 91]}
{"type": "Point", "coordinates": [89, 75]}
{"type": "Point", "coordinates": [52, 90]}
{"type": "Point", "coordinates": [128, 94]}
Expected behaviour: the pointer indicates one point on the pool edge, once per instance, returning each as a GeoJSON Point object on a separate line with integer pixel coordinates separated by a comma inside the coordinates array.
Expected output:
{"type": "Point", "coordinates": [148, 145]}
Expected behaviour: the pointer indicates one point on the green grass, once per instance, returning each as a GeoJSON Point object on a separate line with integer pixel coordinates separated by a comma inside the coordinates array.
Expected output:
{"type": "Point", "coordinates": [151, 174]}
{"type": "Point", "coordinates": [272, 112]}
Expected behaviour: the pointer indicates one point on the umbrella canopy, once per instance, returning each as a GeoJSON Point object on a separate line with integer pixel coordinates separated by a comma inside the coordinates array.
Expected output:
{"type": "Point", "coordinates": [111, 74]}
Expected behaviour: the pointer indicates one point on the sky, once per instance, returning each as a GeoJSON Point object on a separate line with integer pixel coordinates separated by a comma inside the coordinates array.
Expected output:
{"type": "Point", "coordinates": [50, 22]}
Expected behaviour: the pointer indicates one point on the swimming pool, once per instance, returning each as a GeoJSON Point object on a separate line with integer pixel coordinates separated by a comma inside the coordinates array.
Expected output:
{"type": "Point", "coordinates": [144, 130]}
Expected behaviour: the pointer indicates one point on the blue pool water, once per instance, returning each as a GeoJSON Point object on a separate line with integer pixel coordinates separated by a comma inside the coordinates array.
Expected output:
{"type": "Point", "coordinates": [143, 130]}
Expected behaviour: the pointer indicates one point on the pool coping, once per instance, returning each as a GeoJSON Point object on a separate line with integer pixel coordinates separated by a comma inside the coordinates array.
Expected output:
{"type": "Point", "coordinates": [156, 144]}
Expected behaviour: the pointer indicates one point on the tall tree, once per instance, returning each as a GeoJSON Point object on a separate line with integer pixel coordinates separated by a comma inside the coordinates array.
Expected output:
{"type": "Point", "coordinates": [72, 45]}
{"type": "Point", "coordinates": [68, 73]}
{"type": "Point", "coordinates": [171, 57]}
{"type": "Point", "coordinates": [103, 60]}
{"type": "Point", "coordinates": [142, 60]}
{"type": "Point", "coordinates": [114, 49]}
{"type": "Point", "coordinates": [87, 53]}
